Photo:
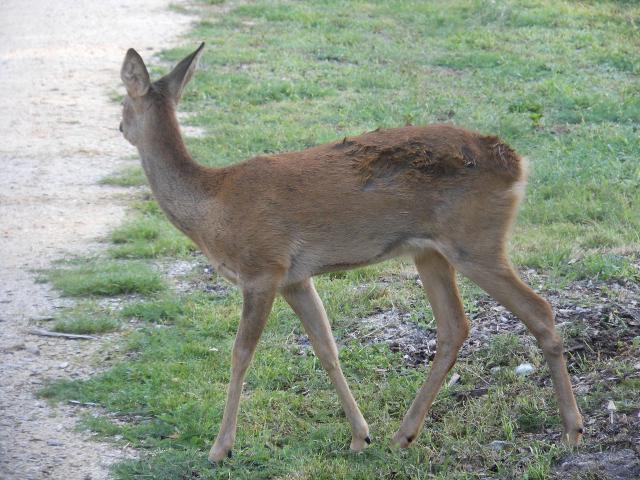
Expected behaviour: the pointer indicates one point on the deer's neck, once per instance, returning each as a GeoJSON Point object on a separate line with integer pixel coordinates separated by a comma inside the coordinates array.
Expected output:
{"type": "Point", "coordinates": [177, 181]}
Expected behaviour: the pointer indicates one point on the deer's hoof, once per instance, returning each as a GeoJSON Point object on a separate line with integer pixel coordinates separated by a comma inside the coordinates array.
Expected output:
{"type": "Point", "coordinates": [573, 437]}
{"type": "Point", "coordinates": [217, 454]}
{"type": "Point", "coordinates": [359, 444]}
{"type": "Point", "coordinates": [402, 440]}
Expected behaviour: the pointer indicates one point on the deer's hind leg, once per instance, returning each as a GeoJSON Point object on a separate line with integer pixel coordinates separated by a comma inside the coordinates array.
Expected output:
{"type": "Point", "coordinates": [306, 303]}
{"type": "Point", "coordinates": [495, 275]}
{"type": "Point", "coordinates": [438, 279]}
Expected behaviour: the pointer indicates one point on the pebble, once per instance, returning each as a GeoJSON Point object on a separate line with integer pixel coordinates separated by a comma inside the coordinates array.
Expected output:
{"type": "Point", "coordinates": [63, 365]}
{"type": "Point", "coordinates": [32, 349]}
{"type": "Point", "coordinates": [55, 443]}
{"type": "Point", "coordinates": [524, 369]}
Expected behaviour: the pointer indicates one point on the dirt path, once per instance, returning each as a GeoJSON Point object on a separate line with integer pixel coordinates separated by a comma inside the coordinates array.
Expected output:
{"type": "Point", "coordinates": [58, 62]}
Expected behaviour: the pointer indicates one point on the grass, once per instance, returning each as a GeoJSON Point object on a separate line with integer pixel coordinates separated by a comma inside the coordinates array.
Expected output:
{"type": "Point", "coordinates": [86, 317]}
{"type": "Point", "coordinates": [157, 310]}
{"type": "Point", "coordinates": [132, 176]}
{"type": "Point", "coordinates": [148, 237]}
{"type": "Point", "coordinates": [558, 80]}
{"type": "Point", "coordinates": [87, 325]}
{"type": "Point", "coordinates": [106, 278]}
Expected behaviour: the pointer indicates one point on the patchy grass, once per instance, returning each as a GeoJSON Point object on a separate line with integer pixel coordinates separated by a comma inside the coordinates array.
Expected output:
{"type": "Point", "coordinates": [86, 317]}
{"type": "Point", "coordinates": [132, 176]}
{"type": "Point", "coordinates": [556, 79]}
{"type": "Point", "coordinates": [104, 278]}
{"type": "Point", "coordinates": [149, 236]}
{"type": "Point", "coordinates": [87, 325]}
{"type": "Point", "coordinates": [159, 310]}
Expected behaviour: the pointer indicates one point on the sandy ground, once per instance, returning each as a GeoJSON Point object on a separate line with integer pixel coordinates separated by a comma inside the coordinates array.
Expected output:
{"type": "Point", "coordinates": [58, 63]}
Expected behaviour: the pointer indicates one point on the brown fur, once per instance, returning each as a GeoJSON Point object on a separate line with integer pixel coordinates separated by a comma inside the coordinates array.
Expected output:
{"type": "Point", "coordinates": [443, 195]}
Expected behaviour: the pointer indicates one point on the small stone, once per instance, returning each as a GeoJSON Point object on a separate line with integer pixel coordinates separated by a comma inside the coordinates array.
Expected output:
{"type": "Point", "coordinates": [63, 365]}
{"type": "Point", "coordinates": [55, 443]}
{"type": "Point", "coordinates": [524, 369]}
{"type": "Point", "coordinates": [32, 349]}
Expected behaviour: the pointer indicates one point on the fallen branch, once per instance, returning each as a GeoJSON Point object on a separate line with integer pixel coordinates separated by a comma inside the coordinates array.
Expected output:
{"type": "Point", "coordinates": [84, 404]}
{"type": "Point", "coordinates": [72, 336]}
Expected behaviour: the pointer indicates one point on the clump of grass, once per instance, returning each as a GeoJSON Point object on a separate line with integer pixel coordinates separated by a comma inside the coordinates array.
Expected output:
{"type": "Point", "coordinates": [128, 177]}
{"type": "Point", "coordinates": [106, 278]}
{"type": "Point", "coordinates": [533, 415]}
{"type": "Point", "coordinates": [155, 311]}
{"type": "Point", "coordinates": [147, 206]}
{"type": "Point", "coordinates": [503, 350]}
{"type": "Point", "coordinates": [149, 236]}
{"type": "Point", "coordinates": [603, 266]}
{"type": "Point", "coordinates": [86, 316]}
{"type": "Point", "coordinates": [88, 325]}
{"type": "Point", "coordinates": [142, 229]}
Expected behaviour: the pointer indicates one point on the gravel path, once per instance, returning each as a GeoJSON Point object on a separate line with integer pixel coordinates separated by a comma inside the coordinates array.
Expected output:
{"type": "Point", "coordinates": [58, 63]}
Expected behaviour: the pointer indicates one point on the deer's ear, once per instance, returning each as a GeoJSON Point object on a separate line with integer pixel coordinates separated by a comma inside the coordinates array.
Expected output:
{"type": "Point", "coordinates": [134, 74]}
{"type": "Point", "coordinates": [181, 74]}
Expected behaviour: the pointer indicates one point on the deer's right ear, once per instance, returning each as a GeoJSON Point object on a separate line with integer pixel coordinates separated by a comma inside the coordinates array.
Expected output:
{"type": "Point", "coordinates": [134, 74]}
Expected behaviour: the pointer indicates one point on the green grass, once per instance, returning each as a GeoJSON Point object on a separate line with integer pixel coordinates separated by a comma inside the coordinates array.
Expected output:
{"type": "Point", "coordinates": [149, 236]}
{"type": "Point", "coordinates": [157, 310]}
{"type": "Point", "coordinates": [128, 177]}
{"type": "Point", "coordinates": [557, 79]}
{"type": "Point", "coordinates": [86, 317]}
{"type": "Point", "coordinates": [105, 278]}
{"type": "Point", "coordinates": [87, 325]}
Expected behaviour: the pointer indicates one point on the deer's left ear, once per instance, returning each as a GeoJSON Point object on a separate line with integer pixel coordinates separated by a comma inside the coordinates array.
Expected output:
{"type": "Point", "coordinates": [181, 74]}
{"type": "Point", "coordinates": [134, 74]}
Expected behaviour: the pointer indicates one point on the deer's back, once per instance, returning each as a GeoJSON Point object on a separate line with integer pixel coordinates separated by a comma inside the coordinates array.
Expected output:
{"type": "Point", "coordinates": [366, 198]}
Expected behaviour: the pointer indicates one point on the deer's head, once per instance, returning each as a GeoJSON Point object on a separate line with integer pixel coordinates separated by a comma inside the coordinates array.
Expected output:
{"type": "Point", "coordinates": [144, 97]}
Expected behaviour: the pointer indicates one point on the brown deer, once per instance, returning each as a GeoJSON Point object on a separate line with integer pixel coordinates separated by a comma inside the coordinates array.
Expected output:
{"type": "Point", "coordinates": [445, 196]}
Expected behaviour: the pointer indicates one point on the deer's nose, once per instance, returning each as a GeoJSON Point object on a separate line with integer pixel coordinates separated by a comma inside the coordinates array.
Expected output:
{"type": "Point", "coordinates": [120, 128]}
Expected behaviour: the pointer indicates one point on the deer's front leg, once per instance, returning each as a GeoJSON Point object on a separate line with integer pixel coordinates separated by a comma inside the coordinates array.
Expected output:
{"type": "Point", "coordinates": [255, 311]}
{"type": "Point", "coordinates": [306, 303]}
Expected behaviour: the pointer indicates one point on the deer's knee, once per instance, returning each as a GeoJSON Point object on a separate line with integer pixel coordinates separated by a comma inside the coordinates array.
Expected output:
{"type": "Point", "coordinates": [551, 343]}
{"type": "Point", "coordinates": [240, 357]}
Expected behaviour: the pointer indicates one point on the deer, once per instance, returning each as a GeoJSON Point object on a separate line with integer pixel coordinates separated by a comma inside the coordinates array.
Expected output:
{"type": "Point", "coordinates": [442, 195]}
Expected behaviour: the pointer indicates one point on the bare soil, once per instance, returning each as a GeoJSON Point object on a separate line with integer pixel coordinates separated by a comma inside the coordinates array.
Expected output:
{"type": "Point", "coordinates": [614, 465]}
{"type": "Point", "coordinates": [59, 61]}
